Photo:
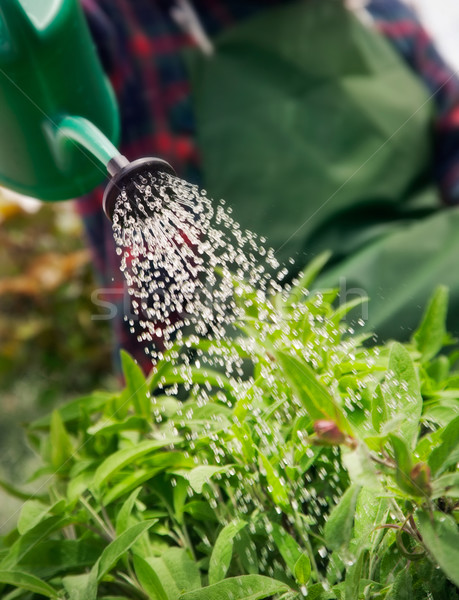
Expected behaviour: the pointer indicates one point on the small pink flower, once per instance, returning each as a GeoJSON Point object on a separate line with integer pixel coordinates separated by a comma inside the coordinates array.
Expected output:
{"type": "Point", "coordinates": [420, 475]}
{"type": "Point", "coordinates": [328, 433]}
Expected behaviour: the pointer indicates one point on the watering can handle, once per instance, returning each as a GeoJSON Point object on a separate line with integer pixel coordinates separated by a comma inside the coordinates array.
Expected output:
{"type": "Point", "coordinates": [43, 111]}
{"type": "Point", "coordinates": [15, 19]}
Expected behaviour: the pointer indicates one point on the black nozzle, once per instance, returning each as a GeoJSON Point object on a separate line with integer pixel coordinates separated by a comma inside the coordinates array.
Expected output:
{"type": "Point", "coordinates": [124, 175]}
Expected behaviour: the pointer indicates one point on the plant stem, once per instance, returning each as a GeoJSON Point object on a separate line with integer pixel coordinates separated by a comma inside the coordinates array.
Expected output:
{"type": "Point", "coordinates": [380, 461]}
{"type": "Point", "coordinates": [188, 540]}
{"type": "Point", "coordinates": [130, 587]}
{"type": "Point", "coordinates": [97, 519]}
{"type": "Point", "coordinates": [107, 521]}
{"type": "Point", "coordinates": [69, 532]}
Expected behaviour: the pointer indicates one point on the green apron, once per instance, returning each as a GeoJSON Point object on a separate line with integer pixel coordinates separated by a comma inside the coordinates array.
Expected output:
{"type": "Point", "coordinates": [320, 137]}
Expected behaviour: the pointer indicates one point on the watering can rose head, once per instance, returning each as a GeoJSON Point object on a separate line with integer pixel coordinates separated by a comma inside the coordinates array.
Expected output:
{"type": "Point", "coordinates": [131, 178]}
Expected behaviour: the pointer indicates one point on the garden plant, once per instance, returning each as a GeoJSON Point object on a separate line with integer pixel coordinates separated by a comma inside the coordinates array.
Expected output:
{"type": "Point", "coordinates": [291, 460]}
{"type": "Point", "coordinates": [51, 347]}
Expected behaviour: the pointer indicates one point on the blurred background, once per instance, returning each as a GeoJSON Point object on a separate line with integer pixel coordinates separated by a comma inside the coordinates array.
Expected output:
{"type": "Point", "coordinates": [51, 349]}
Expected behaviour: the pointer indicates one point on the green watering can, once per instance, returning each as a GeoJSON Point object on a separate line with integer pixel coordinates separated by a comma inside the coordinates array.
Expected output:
{"type": "Point", "coordinates": [59, 119]}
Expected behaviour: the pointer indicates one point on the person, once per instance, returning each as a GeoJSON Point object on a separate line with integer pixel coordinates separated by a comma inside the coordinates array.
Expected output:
{"type": "Point", "coordinates": [325, 126]}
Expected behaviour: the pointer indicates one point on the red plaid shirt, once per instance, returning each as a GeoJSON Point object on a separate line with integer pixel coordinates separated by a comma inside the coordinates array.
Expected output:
{"type": "Point", "coordinates": [139, 43]}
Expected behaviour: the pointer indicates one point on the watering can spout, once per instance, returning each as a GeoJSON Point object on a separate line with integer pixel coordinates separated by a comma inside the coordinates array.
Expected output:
{"type": "Point", "coordinates": [116, 164]}
{"type": "Point", "coordinates": [123, 174]}
{"type": "Point", "coordinates": [72, 132]}
{"type": "Point", "coordinates": [126, 175]}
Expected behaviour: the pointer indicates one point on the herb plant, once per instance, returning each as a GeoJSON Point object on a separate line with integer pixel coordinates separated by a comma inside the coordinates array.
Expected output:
{"type": "Point", "coordinates": [289, 461]}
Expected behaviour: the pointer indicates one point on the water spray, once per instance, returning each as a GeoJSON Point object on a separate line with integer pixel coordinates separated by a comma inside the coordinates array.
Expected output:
{"type": "Point", "coordinates": [60, 129]}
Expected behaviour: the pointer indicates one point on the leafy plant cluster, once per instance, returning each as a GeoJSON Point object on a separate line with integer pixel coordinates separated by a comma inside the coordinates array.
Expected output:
{"type": "Point", "coordinates": [290, 461]}
{"type": "Point", "coordinates": [50, 348]}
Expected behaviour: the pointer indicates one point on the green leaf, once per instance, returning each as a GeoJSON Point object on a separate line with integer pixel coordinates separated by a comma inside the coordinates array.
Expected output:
{"type": "Point", "coordinates": [313, 394]}
{"type": "Point", "coordinates": [442, 413]}
{"type": "Point", "coordinates": [404, 464]}
{"type": "Point", "coordinates": [200, 511]}
{"type": "Point", "coordinates": [438, 369]}
{"type": "Point", "coordinates": [114, 598]}
{"type": "Point", "coordinates": [404, 399]}
{"type": "Point", "coordinates": [32, 537]}
{"type": "Point", "coordinates": [431, 333]}
{"type": "Point", "coordinates": [402, 588]}
{"type": "Point", "coordinates": [360, 467]}
{"type": "Point", "coordinates": [128, 483]}
{"type": "Point", "coordinates": [440, 535]}
{"type": "Point", "coordinates": [14, 492]}
{"type": "Point", "coordinates": [27, 582]}
{"type": "Point", "coordinates": [109, 426]}
{"type": "Point", "coordinates": [287, 546]}
{"type": "Point", "coordinates": [157, 464]}
{"type": "Point", "coordinates": [122, 519]}
{"type": "Point", "coordinates": [136, 385]}
{"type": "Point", "coordinates": [149, 580]}
{"type": "Point", "coordinates": [115, 550]}
{"type": "Point", "coordinates": [52, 557]}
{"type": "Point", "coordinates": [353, 577]}
{"type": "Point", "coordinates": [177, 572]}
{"type": "Point", "coordinates": [317, 592]}
{"type": "Point", "coordinates": [245, 587]}
{"type": "Point", "coordinates": [73, 410]}
{"type": "Point", "coordinates": [222, 552]}
{"type": "Point", "coordinates": [277, 489]}
{"type": "Point", "coordinates": [81, 587]}
{"type": "Point", "coordinates": [370, 512]}
{"type": "Point", "coordinates": [447, 486]}
{"type": "Point", "coordinates": [302, 569]}
{"type": "Point", "coordinates": [338, 527]}
{"type": "Point", "coordinates": [79, 484]}
{"type": "Point", "coordinates": [413, 480]}
{"type": "Point", "coordinates": [307, 276]}
{"type": "Point", "coordinates": [201, 376]}
{"type": "Point", "coordinates": [32, 513]}
{"type": "Point", "coordinates": [447, 454]}
{"type": "Point", "coordinates": [378, 409]}
{"type": "Point", "coordinates": [61, 446]}
{"type": "Point", "coordinates": [123, 457]}
{"type": "Point", "coordinates": [179, 496]}
{"type": "Point", "coordinates": [198, 476]}
{"type": "Point", "coordinates": [343, 309]}
{"type": "Point", "coordinates": [243, 434]}
{"type": "Point", "coordinates": [247, 552]}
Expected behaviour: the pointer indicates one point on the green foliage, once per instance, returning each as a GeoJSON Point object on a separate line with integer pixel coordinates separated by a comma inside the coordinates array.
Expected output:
{"type": "Point", "coordinates": [338, 528]}
{"type": "Point", "coordinates": [221, 554]}
{"type": "Point", "coordinates": [441, 538]}
{"type": "Point", "coordinates": [312, 467]}
{"type": "Point", "coordinates": [431, 334]}
{"type": "Point", "coordinates": [50, 347]}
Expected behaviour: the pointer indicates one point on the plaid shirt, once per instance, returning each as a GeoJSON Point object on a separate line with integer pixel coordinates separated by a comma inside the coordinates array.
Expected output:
{"type": "Point", "coordinates": [139, 44]}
